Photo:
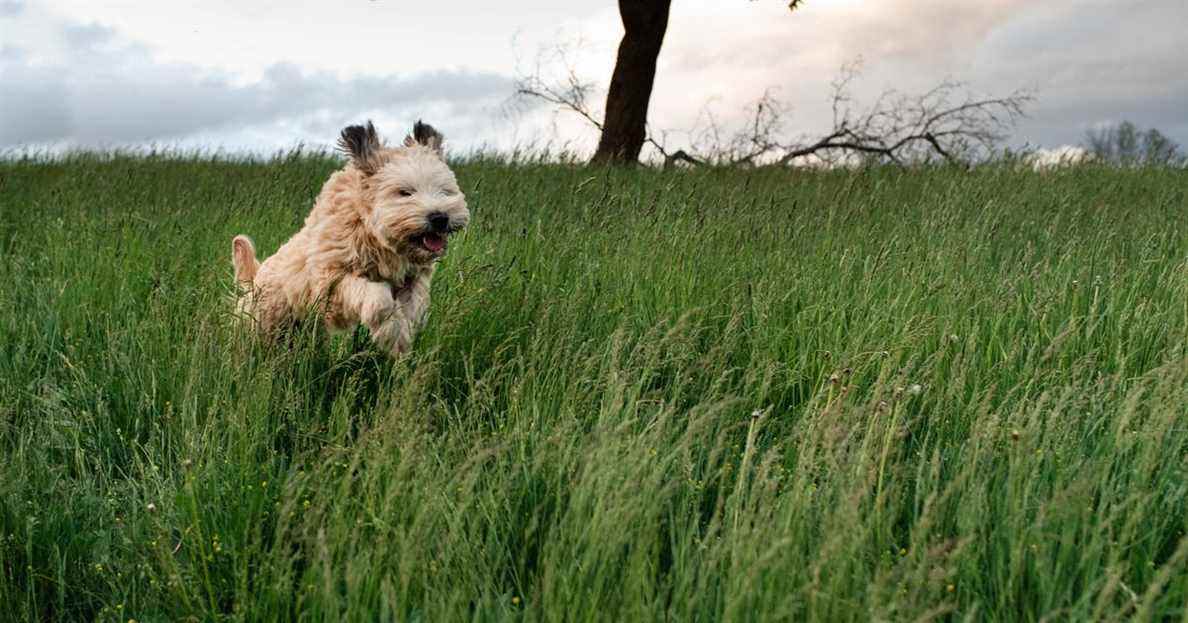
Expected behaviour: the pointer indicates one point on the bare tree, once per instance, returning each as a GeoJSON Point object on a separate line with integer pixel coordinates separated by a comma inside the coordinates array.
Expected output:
{"type": "Point", "coordinates": [623, 130]}
{"type": "Point", "coordinates": [946, 123]}
{"type": "Point", "coordinates": [1124, 144]}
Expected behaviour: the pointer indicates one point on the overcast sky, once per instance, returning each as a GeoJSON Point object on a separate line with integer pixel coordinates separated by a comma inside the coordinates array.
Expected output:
{"type": "Point", "coordinates": [264, 75]}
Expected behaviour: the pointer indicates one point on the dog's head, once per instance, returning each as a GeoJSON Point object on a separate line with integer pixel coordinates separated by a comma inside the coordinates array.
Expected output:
{"type": "Point", "coordinates": [414, 199]}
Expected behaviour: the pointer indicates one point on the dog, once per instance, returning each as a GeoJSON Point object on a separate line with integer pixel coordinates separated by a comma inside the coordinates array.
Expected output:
{"type": "Point", "coordinates": [368, 249]}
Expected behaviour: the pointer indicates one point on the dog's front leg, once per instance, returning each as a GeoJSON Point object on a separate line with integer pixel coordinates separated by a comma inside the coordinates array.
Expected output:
{"type": "Point", "coordinates": [371, 303]}
{"type": "Point", "coordinates": [413, 301]}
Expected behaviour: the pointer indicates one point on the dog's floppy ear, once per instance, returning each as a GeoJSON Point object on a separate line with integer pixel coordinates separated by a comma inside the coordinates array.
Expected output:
{"type": "Point", "coordinates": [362, 145]}
{"type": "Point", "coordinates": [427, 135]}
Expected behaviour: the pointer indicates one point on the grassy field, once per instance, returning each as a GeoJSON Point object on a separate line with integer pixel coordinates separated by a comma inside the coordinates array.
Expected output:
{"type": "Point", "coordinates": [688, 396]}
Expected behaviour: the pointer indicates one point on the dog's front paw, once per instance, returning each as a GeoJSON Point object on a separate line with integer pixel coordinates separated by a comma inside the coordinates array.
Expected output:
{"type": "Point", "coordinates": [392, 336]}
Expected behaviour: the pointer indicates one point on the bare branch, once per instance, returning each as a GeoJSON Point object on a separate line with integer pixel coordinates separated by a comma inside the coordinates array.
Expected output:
{"type": "Point", "coordinates": [680, 155]}
{"type": "Point", "coordinates": [904, 129]}
{"type": "Point", "coordinates": [945, 123]}
{"type": "Point", "coordinates": [569, 94]}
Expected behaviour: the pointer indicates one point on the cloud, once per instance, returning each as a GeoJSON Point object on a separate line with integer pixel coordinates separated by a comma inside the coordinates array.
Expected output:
{"type": "Point", "coordinates": [1066, 155]}
{"type": "Point", "coordinates": [72, 83]}
{"type": "Point", "coordinates": [9, 8]}
{"type": "Point", "coordinates": [101, 90]}
{"type": "Point", "coordinates": [909, 45]}
{"type": "Point", "coordinates": [1095, 62]}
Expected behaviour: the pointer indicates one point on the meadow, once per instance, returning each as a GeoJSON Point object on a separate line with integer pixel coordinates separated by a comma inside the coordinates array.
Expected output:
{"type": "Point", "coordinates": [702, 395]}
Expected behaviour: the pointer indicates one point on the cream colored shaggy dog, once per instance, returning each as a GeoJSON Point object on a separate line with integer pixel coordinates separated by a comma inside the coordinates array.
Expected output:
{"type": "Point", "coordinates": [368, 249]}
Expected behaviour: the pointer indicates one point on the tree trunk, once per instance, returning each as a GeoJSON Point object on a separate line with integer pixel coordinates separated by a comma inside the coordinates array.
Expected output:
{"type": "Point", "coordinates": [625, 125]}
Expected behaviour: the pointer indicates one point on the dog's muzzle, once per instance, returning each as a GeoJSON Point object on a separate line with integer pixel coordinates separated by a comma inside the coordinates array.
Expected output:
{"type": "Point", "coordinates": [435, 238]}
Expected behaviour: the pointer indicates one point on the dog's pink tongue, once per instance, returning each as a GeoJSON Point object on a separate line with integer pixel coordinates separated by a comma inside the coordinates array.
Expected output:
{"type": "Point", "coordinates": [434, 242]}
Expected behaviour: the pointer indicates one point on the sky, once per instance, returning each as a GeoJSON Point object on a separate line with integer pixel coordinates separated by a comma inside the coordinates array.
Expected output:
{"type": "Point", "coordinates": [265, 75]}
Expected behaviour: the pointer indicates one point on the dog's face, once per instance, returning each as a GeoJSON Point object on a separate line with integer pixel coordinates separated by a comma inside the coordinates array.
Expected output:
{"type": "Point", "coordinates": [415, 201]}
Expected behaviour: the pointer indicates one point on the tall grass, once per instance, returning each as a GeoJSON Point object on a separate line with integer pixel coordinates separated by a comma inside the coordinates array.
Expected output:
{"type": "Point", "coordinates": [704, 395]}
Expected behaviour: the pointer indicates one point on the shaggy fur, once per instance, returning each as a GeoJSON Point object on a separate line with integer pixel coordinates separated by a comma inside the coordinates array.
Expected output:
{"type": "Point", "coordinates": [367, 251]}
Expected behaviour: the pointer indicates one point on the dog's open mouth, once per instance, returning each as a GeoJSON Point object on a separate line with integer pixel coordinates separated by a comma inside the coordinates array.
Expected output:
{"type": "Point", "coordinates": [432, 242]}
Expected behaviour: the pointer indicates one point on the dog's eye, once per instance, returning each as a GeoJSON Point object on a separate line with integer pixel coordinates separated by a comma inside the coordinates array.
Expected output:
{"type": "Point", "coordinates": [404, 192]}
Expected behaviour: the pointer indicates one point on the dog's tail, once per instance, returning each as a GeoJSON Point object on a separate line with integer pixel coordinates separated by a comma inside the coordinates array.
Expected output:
{"type": "Point", "coordinates": [243, 257]}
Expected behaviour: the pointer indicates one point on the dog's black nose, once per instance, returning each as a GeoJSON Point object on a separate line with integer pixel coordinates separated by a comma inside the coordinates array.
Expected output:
{"type": "Point", "coordinates": [439, 221]}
